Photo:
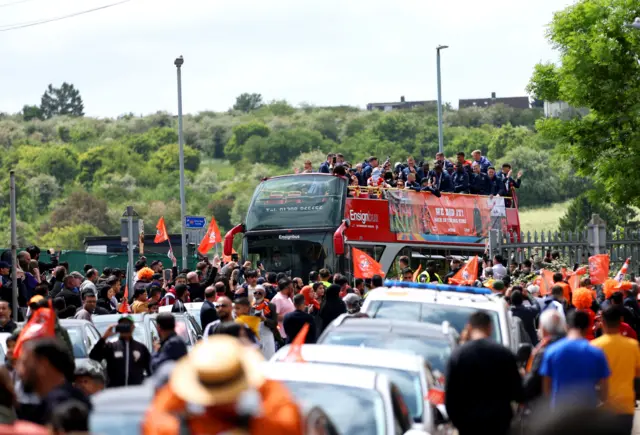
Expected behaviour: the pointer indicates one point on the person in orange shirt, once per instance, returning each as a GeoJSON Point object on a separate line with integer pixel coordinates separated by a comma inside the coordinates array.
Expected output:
{"type": "Point", "coordinates": [623, 356]}
{"type": "Point", "coordinates": [223, 378]}
{"type": "Point", "coordinates": [558, 279]}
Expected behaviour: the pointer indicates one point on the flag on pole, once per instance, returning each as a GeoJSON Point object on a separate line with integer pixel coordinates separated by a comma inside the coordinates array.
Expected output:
{"type": "Point", "coordinates": [124, 306]}
{"type": "Point", "coordinates": [41, 324]}
{"type": "Point", "coordinates": [295, 348]}
{"type": "Point", "coordinates": [210, 239]}
{"type": "Point", "coordinates": [546, 282]}
{"type": "Point", "coordinates": [623, 270]}
{"type": "Point", "coordinates": [598, 268]}
{"type": "Point", "coordinates": [161, 231]}
{"type": "Point", "coordinates": [467, 275]}
{"type": "Point", "coordinates": [574, 278]}
{"type": "Point", "coordinates": [364, 266]}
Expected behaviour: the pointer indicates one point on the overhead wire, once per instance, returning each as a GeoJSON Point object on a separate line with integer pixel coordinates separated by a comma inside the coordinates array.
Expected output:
{"type": "Point", "coordinates": [2, 5]}
{"type": "Point", "coordinates": [15, 26]}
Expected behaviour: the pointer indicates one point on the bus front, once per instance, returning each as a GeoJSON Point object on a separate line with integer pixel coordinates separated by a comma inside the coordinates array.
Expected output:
{"type": "Point", "coordinates": [291, 224]}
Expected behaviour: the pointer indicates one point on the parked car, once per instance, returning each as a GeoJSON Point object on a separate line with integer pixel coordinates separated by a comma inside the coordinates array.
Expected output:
{"type": "Point", "coordinates": [359, 402]}
{"type": "Point", "coordinates": [434, 342]}
{"type": "Point", "coordinates": [83, 335]}
{"type": "Point", "coordinates": [409, 372]}
{"type": "Point", "coordinates": [186, 327]}
{"type": "Point", "coordinates": [193, 308]}
{"type": "Point", "coordinates": [145, 330]}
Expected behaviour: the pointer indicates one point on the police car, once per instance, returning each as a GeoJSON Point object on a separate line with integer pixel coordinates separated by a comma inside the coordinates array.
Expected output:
{"type": "Point", "coordinates": [437, 303]}
{"type": "Point", "coordinates": [408, 372]}
{"type": "Point", "coordinates": [357, 401]}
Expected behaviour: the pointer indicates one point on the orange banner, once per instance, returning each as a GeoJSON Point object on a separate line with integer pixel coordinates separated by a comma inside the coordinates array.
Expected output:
{"type": "Point", "coordinates": [210, 239]}
{"type": "Point", "coordinates": [161, 231]}
{"type": "Point", "coordinates": [546, 282]}
{"type": "Point", "coordinates": [467, 275]}
{"type": "Point", "coordinates": [40, 325]}
{"type": "Point", "coordinates": [456, 215]}
{"type": "Point", "coordinates": [599, 268]}
{"type": "Point", "coordinates": [364, 266]}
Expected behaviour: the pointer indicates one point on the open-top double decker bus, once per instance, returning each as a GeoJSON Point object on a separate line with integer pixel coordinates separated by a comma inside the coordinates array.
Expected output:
{"type": "Point", "coordinates": [304, 222]}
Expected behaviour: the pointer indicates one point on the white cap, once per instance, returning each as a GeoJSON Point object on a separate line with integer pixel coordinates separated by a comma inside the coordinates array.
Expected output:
{"type": "Point", "coordinates": [533, 289]}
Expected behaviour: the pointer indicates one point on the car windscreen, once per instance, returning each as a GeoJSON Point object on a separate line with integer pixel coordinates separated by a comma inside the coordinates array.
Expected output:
{"type": "Point", "coordinates": [457, 316]}
{"type": "Point", "coordinates": [77, 341]}
{"type": "Point", "coordinates": [303, 201]}
{"type": "Point", "coordinates": [139, 333]}
{"type": "Point", "coordinates": [435, 351]}
{"type": "Point", "coordinates": [112, 423]}
{"type": "Point", "coordinates": [353, 411]}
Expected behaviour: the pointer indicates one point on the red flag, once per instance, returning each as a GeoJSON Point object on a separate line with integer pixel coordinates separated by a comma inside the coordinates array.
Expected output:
{"type": "Point", "coordinates": [623, 270]}
{"type": "Point", "coordinates": [124, 306]}
{"type": "Point", "coordinates": [161, 231]}
{"type": "Point", "coordinates": [364, 266]}
{"type": "Point", "coordinates": [599, 268]}
{"type": "Point", "coordinates": [295, 348]}
{"type": "Point", "coordinates": [468, 274]}
{"type": "Point", "coordinates": [211, 238]}
{"type": "Point", "coordinates": [546, 282]}
{"type": "Point", "coordinates": [41, 324]}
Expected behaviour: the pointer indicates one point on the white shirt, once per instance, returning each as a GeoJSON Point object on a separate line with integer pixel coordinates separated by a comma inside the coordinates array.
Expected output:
{"type": "Point", "coordinates": [499, 271]}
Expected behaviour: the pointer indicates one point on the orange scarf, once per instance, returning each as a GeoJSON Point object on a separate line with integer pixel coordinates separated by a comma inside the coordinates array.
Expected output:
{"type": "Point", "coordinates": [262, 306]}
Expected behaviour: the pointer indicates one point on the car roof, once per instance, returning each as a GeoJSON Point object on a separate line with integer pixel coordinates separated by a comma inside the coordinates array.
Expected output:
{"type": "Point", "coordinates": [399, 327]}
{"type": "Point", "coordinates": [74, 322]}
{"type": "Point", "coordinates": [124, 399]}
{"type": "Point", "coordinates": [485, 302]}
{"type": "Point", "coordinates": [189, 306]}
{"type": "Point", "coordinates": [321, 374]}
{"type": "Point", "coordinates": [357, 356]}
{"type": "Point", "coordinates": [115, 317]}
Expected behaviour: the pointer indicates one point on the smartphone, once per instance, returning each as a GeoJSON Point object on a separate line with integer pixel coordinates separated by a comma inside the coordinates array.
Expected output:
{"type": "Point", "coordinates": [235, 257]}
{"type": "Point", "coordinates": [123, 327]}
{"type": "Point", "coordinates": [167, 275]}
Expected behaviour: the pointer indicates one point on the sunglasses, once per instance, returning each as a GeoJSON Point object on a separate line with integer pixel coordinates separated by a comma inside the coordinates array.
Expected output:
{"type": "Point", "coordinates": [222, 305]}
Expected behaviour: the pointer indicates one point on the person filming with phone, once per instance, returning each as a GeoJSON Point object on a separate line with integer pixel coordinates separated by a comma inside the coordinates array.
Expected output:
{"type": "Point", "coordinates": [128, 360]}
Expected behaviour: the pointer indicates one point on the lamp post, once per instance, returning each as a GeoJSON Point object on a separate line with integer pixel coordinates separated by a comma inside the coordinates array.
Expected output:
{"type": "Point", "coordinates": [178, 63]}
{"type": "Point", "coordinates": [440, 133]}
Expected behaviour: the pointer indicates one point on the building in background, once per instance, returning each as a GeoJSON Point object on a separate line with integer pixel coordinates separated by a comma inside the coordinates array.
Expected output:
{"type": "Point", "coordinates": [402, 104]}
{"type": "Point", "coordinates": [514, 102]}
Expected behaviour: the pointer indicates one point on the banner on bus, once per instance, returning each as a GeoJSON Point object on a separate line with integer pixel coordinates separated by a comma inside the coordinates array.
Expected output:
{"type": "Point", "coordinates": [416, 215]}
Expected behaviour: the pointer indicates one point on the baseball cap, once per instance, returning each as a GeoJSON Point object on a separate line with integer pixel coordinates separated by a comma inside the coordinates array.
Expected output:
{"type": "Point", "coordinates": [126, 319]}
{"type": "Point", "coordinates": [4, 265]}
{"type": "Point", "coordinates": [498, 285]}
{"type": "Point", "coordinates": [90, 368]}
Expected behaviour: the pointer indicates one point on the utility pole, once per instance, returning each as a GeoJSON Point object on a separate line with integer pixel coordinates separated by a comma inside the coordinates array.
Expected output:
{"type": "Point", "coordinates": [14, 246]}
{"type": "Point", "coordinates": [440, 132]}
{"type": "Point", "coordinates": [130, 245]}
{"type": "Point", "coordinates": [183, 212]}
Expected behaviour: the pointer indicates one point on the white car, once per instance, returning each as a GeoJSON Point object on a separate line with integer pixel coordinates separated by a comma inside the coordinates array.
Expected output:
{"type": "Point", "coordinates": [193, 308]}
{"type": "Point", "coordinates": [417, 302]}
{"type": "Point", "coordinates": [408, 372]}
{"type": "Point", "coordinates": [358, 402]}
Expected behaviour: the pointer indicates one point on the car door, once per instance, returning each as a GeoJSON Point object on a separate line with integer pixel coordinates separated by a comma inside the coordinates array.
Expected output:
{"type": "Point", "coordinates": [92, 337]}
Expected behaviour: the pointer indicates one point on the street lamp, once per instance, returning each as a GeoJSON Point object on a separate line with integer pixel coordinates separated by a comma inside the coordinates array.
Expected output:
{"type": "Point", "coordinates": [440, 134]}
{"type": "Point", "coordinates": [178, 63]}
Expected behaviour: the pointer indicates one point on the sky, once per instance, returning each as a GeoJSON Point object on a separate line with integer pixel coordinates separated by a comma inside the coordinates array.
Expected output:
{"type": "Point", "coordinates": [319, 52]}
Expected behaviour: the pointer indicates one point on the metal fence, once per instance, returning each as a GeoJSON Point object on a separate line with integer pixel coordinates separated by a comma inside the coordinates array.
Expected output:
{"type": "Point", "coordinates": [573, 247]}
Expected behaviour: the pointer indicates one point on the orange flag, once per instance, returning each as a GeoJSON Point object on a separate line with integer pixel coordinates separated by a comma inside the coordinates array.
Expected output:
{"type": "Point", "coordinates": [41, 324]}
{"type": "Point", "coordinates": [124, 306]}
{"type": "Point", "coordinates": [546, 282]}
{"type": "Point", "coordinates": [364, 266]}
{"type": "Point", "coordinates": [161, 231]}
{"type": "Point", "coordinates": [467, 275]}
{"type": "Point", "coordinates": [417, 273]}
{"type": "Point", "coordinates": [210, 239]}
{"type": "Point", "coordinates": [295, 348]}
{"type": "Point", "coordinates": [599, 268]}
{"type": "Point", "coordinates": [574, 278]}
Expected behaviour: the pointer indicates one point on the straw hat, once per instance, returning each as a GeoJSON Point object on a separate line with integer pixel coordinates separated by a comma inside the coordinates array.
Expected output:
{"type": "Point", "coordinates": [217, 371]}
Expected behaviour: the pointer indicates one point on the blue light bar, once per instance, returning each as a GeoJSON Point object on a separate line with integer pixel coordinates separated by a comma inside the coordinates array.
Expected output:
{"type": "Point", "coordinates": [439, 287]}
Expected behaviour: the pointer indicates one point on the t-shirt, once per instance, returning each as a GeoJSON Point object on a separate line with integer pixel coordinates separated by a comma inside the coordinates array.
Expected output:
{"type": "Point", "coordinates": [627, 331]}
{"type": "Point", "coordinates": [499, 271]}
{"type": "Point", "coordinates": [623, 356]}
{"type": "Point", "coordinates": [575, 368]}
{"type": "Point", "coordinates": [284, 305]}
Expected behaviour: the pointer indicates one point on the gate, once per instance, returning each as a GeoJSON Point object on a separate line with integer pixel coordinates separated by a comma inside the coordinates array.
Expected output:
{"type": "Point", "coordinates": [574, 247]}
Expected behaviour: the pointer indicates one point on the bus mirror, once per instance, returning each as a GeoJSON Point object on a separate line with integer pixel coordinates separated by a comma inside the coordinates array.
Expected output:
{"type": "Point", "coordinates": [338, 238]}
{"type": "Point", "coordinates": [228, 239]}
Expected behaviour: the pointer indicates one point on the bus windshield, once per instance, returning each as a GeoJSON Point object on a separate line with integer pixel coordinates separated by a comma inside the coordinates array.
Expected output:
{"type": "Point", "coordinates": [298, 201]}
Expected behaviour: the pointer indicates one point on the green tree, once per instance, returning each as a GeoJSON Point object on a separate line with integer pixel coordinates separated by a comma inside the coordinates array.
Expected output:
{"type": "Point", "coordinates": [240, 135]}
{"type": "Point", "coordinates": [247, 102]}
{"type": "Point", "coordinates": [65, 100]}
{"type": "Point", "coordinates": [167, 159]}
{"type": "Point", "coordinates": [584, 206]}
{"type": "Point", "coordinates": [80, 207]}
{"type": "Point", "coordinates": [31, 112]}
{"type": "Point", "coordinates": [70, 237]}
{"type": "Point", "coordinates": [506, 138]}
{"type": "Point", "coordinates": [599, 71]}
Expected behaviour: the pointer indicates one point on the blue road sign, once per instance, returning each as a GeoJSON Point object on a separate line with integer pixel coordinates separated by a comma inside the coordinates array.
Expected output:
{"type": "Point", "coordinates": [195, 221]}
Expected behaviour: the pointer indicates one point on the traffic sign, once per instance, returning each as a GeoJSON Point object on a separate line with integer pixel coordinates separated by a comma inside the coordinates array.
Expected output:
{"type": "Point", "coordinates": [195, 221]}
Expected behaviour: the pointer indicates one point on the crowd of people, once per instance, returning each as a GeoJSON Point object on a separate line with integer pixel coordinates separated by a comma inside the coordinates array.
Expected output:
{"type": "Point", "coordinates": [477, 176]}
{"type": "Point", "coordinates": [264, 310]}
